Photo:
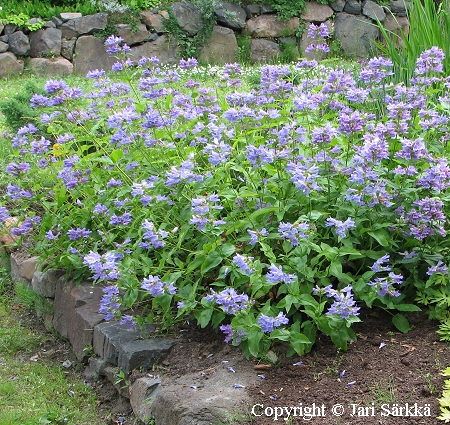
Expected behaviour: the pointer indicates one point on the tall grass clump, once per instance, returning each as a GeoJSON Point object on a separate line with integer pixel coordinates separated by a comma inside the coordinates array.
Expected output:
{"type": "Point", "coordinates": [273, 213]}
{"type": "Point", "coordinates": [429, 25]}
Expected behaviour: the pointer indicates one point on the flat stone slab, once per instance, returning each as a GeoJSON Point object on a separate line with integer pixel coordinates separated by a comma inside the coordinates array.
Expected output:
{"type": "Point", "coordinates": [212, 396]}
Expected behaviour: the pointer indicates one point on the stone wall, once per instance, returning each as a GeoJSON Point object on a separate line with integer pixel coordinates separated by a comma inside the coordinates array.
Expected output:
{"type": "Point", "coordinates": [67, 43]}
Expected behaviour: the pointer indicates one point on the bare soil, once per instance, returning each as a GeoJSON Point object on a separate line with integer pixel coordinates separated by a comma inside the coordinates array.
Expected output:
{"type": "Point", "coordinates": [384, 373]}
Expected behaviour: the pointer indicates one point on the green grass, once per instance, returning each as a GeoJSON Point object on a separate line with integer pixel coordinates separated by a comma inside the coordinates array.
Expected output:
{"type": "Point", "coordinates": [36, 392]}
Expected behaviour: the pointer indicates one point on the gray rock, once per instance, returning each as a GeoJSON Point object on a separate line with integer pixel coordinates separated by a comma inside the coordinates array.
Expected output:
{"type": "Point", "coordinates": [45, 43]}
{"type": "Point", "coordinates": [142, 394]}
{"type": "Point", "coordinates": [4, 38]}
{"type": "Point", "coordinates": [9, 29]}
{"type": "Point", "coordinates": [132, 36]}
{"type": "Point", "coordinates": [356, 34]}
{"type": "Point", "coordinates": [66, 16]}
{"type": "Point", "coordinates": [373, 11]}
{"type": "Point", "coordinates": [95, 368]}
{"type": "Point", "coordinates": [76, 313]}
{"type": "Point", "coordinates": [315, 12]}
{"type": "Point", "coordinates": [50, 24]}
{"type": "Point", "coordinates": [19, 43]}
{"type": "Point", "coordinates": [110, 336]}
{"type": "Point", "coordinates": [154, 21]}
{"type": "Point", "coordinates": [2, 26]}
{"type": "Point", "coordinates": [203, 400]}
{"type": "Point", "coordinates": [84, 25]}
{"type": "Point", "coordinates": [33, 21]}
{"type": "Point", "coordinates": [270, 26]}
{"type": "Point", "coordinates": [221, 47]}
{"type": "Point", "coordinates": [230, 15]}
{"type": "Point", "coordinates": [67, 48]}
{"type": "Point", "coordinates": [57, 21]}
{"type": "Point", "coordinates": [264, 51]}
{"type": "Point", "coordinates": [399, 7]}
{"type": "Point", "coordinates": [90, 54]}
{"type": "Point", "coordinates": [153, 36]}
{"type": "Point", "coordinates": [51, 67]}
{"type": "Point", "coordinates": [188, 16]}
{"type": "Point", "coordinates": [164, 48]}
{"type": "Point", "coordinates": [3, 47]}
{"type": "Point", "coordinates": [143, 353]}
{"type": "Point", "coordinates": [338, 5]}
{"type": "Point", "coordinates": [353, 7]}
{"type": "Point", "coordinates": [252, 10]}
{"type": "Point", "coordinates": [22, 267]}
{"type": "Point", "coordinates": [44, 283]}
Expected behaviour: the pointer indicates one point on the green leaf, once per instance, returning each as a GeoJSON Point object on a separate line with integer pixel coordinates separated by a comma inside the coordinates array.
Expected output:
{"type": "Point", "coordinates": [280, 334]}
{"type": "Point", "coordinates": [116, 155]}
{"type": "Point", "coordinates": [227, 249]}
{"type": "Point", "coordinates": [381, 236]}
{"type": "Point", "coordinates": [130, 297]}
{"type": "Point", "coordinates": [204, 316]}
{"type": "Point", "coordinates": [407, 307]}
{"type": "Point", "coordinates": [340, 337]}
{"type": "Point", "coordinates": [254, 339]}
{"type": "Point", "coordinates": [211, 261]}
{"type": "Point", "coordinates": [401, 323]}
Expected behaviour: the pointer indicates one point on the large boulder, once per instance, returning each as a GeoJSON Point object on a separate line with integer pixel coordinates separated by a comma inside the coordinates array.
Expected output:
{"type": "Point", "coordinates": [353, 7]}
{"type": "Point", "coordinates": [400, 7]}
{"type": "Point", "coordinates": [84, 25]}
{"type": "Point", "coordinates": [165, 49]}
{"type": "Point", "coordinates": [67, 48]}
{"type": "Point", "coordinates": [221, 47]}
{"type": "Point", "coordinates": [3, 47]}
{"type": "Point", "coordinates": [230, 15]}
{"type": "Point", "coordinates": [264, 51]}
{"type": "Point", "coordinates": [45, 43]}
{"type": "Point", "coordinates": [188, 17]}
{"type": "Point", "coordinates": [51, 67]}
{"type": "Point", "coordinates": [90, 54]}
{"type": "Point", "coordinates": [315, 12]}
{"type": "Point", "coordinates": [19, 43]}
{"type": "Point", "coordinates": [356, 34]}
{"type": "Point", "coordinates": [271, 26]}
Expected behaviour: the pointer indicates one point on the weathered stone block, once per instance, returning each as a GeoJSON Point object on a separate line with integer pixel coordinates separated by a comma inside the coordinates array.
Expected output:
{"type": "Point", "coordinates": [165, 49]}
{"type": "Point", "coordinates": [76, 313]}
{"type": "Point", "coordinates": [19, 43]}
{"type": "Point", "coordinates": [45, 42]}
{"type": "Point", "coordinates": [110, 336]}
{"type": "Point", "coordinates": [356, 34]}
{"type": "Point", "coordinates": [133, 36]}
{"type": "Point", "coordinates": [44, 283]}
{"type": "Point", "coordinates": [22, 267]}
{"type": "Point", "coordinates": [373, 11]}
{"type": "Point", "coordinates": [263, 51]}
{"type": "Point", "coordinates": [230, 15]}
{"type": "Point", "coordinates": [90, 54]}
{"type": "Point", "coordinates": [270, 26]}
{"type": "Point", "coordinates": [353, 7]}
{"type": "Point", "coordinates": [188, 16]}
{"type": "Point", "coordinates": [143, 353]}
{"type": "Point", "coordinates": [154, 21]}
{"type": "Point", "coordinates": [221, 47]}
{"type": "Point", "coordinates": [315, 12]}
{"type": "Point", "coordinates": [84, 25]}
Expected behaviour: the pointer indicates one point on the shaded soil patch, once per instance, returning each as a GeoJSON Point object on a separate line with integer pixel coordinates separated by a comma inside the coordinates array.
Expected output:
{"type": "Point", "coordinates": [384, 373]}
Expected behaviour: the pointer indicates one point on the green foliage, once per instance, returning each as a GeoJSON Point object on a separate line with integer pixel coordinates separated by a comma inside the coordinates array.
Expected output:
{"type": "Point", "coordinates": [429, 25]}
{"type": "Point", "coordinates": [42, 9]}
{"type": "Point", "coordinates": [287, 9]}
{"type": "Point", "coordinates": [289, 52]}
{"type": "Point", "coordinates": [22, 20]}
{"type": "Point", "coordinates": [17, 110]}
{"type": "Point", "coordinates": [243, 53]}
{"type": "Point", "coordinates": [444, 401]}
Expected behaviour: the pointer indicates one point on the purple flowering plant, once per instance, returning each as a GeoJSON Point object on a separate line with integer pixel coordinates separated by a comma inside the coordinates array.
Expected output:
{"type": "Point", "coordinates": [272, 213]}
